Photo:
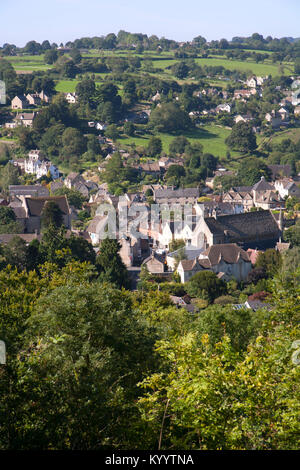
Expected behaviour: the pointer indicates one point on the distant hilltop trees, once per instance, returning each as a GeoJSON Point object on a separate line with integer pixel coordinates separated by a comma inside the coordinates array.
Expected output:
{"type": "Point", "coordinates": [140, 42]}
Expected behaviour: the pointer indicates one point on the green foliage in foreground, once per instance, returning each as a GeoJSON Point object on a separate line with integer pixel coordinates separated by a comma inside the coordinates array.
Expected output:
{"type": "Point", "coordinates": [90, 366]}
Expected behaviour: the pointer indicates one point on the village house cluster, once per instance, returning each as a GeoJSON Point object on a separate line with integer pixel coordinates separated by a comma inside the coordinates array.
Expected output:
{"type": "Point", "coordinates": [219, 235]}
{"type": "Point", "coordinates": [222, 232]}
{"type": "Point", "coordinates": [284, 110]}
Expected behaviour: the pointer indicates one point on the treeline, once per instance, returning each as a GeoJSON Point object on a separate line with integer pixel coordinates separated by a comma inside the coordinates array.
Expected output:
{"type": "Point", "coordinates": [140, 42]}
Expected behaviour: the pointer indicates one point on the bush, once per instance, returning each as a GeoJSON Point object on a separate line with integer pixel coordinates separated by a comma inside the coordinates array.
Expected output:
{"type": "Point", "coordinates": [206, 285]}
{"type": "Point", "coordinates": [225, 300]}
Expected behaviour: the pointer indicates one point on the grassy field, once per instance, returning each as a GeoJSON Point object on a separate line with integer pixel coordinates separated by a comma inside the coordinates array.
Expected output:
{"type": "Point", "coordinates": [293, 134]}
{"type": "Point", "coordinates": [211, 137]}
{"type": "Point", "coordinates": [257, 69]}
{"type": "Point", "coordinates": [29, 63]}
{"type": "Point", "coordinates": [162, 61]}
{"type": "Point", "coordinates": [66, 86]}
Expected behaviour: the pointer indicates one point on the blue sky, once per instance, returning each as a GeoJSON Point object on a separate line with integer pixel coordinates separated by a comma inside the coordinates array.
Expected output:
{"type": "Point", "coordinates": [182, 20]}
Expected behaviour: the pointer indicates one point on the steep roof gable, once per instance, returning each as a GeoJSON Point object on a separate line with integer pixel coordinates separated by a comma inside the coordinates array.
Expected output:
{"type": "Point", "coordinates": [36, 205]}
{"type": "Point", "coordinates": [249, 225]}
{"type": "Point", "coordinates": [229, 252]}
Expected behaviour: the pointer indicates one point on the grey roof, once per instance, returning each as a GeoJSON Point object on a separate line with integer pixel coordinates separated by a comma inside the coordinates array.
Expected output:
{"type": "Point", "coordinates": [36, 204]}
{"type": "Point", "coordinates": [177, 193]}
{"type": "Point", "coordinates": [229, 252]}
{"type": "Point", "coordinates": [188, 264]}
{"type": "Point", "coordinates": [154, 255]}
{"type": "Point", "coordinates": [30, 190]}
{"type": "Point", "coordinates": [72, 176]}
{"type": "Point", "coordinates": [244, 227]}
{"type": "Point", "coordinates": [54, 185]}
{"type": "Point", "coordinates": [242, 189]}
{"type": "Point", "coordinates": [26, 116]}
{"type": "Point", "coordinates": [262, 185]}
{"type": "Point", "coordinates": [20, 212]}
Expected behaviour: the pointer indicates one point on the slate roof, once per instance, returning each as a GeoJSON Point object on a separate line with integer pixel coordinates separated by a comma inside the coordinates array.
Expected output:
{"type": "Point", "coordinates": [244, 227]}
{"type": "Point", "coordinates": [154, 255]}
{"type": "Point", "coordinates": [25, 116]}
{"type": "Point", "coordinates": [21, 97]}
{"type": "Point", "coordinates": [176, 193]}
{"type": "Point", "coordinates": [268, 196]}
{"type": "Point", "coordinates": [54, 185]}
{"type": "Point", "coordinates": [151, 167]}
{"type": "Point", "coordinates": [20, 212]}
{"type": "Point", "coordinates": [34, 190]}
{"type": "Point", "coordinates": [242, 189]}
{"type": "Point", "coordinates": [188, 264]}
{"type": "Point", "coordinates": [229, 252]}
{"type": "Point", "coordinates": [36, 204]}
{"type": "Point", "coordinates": [262, 185]}
{"type": "Point", "coordinates": [72, 176]}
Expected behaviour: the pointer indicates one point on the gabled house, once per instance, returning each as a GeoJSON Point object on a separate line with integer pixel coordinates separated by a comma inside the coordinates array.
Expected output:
{"type": "Point", "coordinates": [228, 261]}
{"type": "Point", "coordinates": [25, 119]}
{"type": "Point", "coordinates": [34, 99]}
{"type": "Point", "coordinates": [32, 210]}
{"type": "Point", "coordinates": [287, 187]}
{"type": "Point", "coordinates": [242, 94]}
{"type": "Point", "coordinates": [19, 102]}
{"type": "Point", "coordinates": [276, 119]}
{"type": "Point", "coordinates": [96, 228]}
{"type": "Point", "coordinates": [262, 195]}
{"type": "Point", "coordinates": [252, 82]}
{"type": "Point", "coordinates": [243, 118]}
{"type": "Point", "coordinates": [77, 182]}
{"type": "Point", "coordinates": [250, 230]}
{"type": "Point", "coordinates": [155, 263]}
{"type": "Point", "coordinates": [284, 114]}
{"type": "Point", "coordinates": [44, 97]}
{"type": "Point", "coordinates": [150, 168]}
{"type": "Point", "coordinates": [223, 108]}
{"type": "Point", "coordinates": [39, 166]}
{"type": "Point", "coordinates": [133, 250]}
{"type": "Point", "coordinates": [71, 98]}
{"type": "Point", "coordinates": [187, 268]}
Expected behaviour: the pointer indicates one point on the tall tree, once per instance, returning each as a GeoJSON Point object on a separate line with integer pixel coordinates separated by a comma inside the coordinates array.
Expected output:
{"type": "Point", "coordinates": [111, 266]}
{"type": "Point", "coordinates": [242, 138]}
{"type": "Point", "coordinates": [51, 215]}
